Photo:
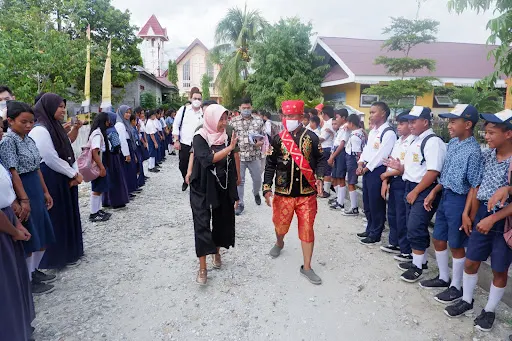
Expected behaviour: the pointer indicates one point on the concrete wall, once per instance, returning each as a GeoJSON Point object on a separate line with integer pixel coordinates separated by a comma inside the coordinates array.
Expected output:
{"type": "Point", "coordinates": [133, 91]}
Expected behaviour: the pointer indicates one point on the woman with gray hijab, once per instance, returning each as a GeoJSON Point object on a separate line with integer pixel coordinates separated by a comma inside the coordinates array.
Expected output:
{"type": "Point", "coordinates": [125, 131]}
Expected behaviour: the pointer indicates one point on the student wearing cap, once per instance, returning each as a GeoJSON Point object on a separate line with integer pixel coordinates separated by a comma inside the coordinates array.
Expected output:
{"type": "Point", "coordinates": [393, 187]}
{"type": "Point", "coordinates": [295, 156]}
{"type": "Point", "coordinates": [422, 165]}
{"type": "Point", "coordinates": [488, 215]}
{"type": "Point", "coordinates": [327, 140]}
{"type": "Point", "coordinates": [460, 175]}
{"type": "Point", "coordinates": [381, 140]}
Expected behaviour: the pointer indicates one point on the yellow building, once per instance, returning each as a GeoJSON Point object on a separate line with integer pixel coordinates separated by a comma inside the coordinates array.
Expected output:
{"type": "Point", "coordinates": [352, 69]}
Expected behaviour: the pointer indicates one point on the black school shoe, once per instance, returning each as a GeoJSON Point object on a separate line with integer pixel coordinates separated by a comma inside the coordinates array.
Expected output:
{"type": "Point", "coordinates": [369, 241]}
{"type": "Point", "coordinates": [257, 199]}
{"type": "Point", "coordinates": [434, 283]}
{"type": "Point", "coordinates": [390, 249]}
{"type": "Point", "coordinates": [412, 275]}
{"type": "Point", "coordinates": [450, 295]}
{"type": "Point", "coordinates": [184, 187]}
{"type": "Point", "coordinates": [104, 214]}
{"type": "Point", "coordinates": [362, 235]}
{"type": "Point", "coordinates": [97, 218]}
{"type": "Point", "coordinates": [41, 277]}
{"type": "Point", "coordinates": [407, 265]}
{"type": "Point", "coordinates": [403, 257]}
{"type": "Point", "coordinates": [485, 320]}
{"type": "Point", "coordinates": [154, 170]}
{"type": "Point", "coordinates": [41, 288]}
{"type": "Point", "coordinates": [460, 308]}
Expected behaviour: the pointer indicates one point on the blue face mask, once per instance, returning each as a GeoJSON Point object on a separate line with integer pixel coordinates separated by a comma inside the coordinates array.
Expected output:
{"type": "Point", "coordinates": [246, 112]}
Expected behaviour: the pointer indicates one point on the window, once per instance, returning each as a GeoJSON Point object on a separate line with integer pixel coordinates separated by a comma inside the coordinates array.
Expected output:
{"type": "Point", "coordinates": [444, 100]}
{"type": "Point", "coordinates": [409, 101]}
{"type": "Point", "coordinates": [142, 87]}
{"type": "Point", "coordinates": [153, 42]}
{"type": "Point", "coordinates": [186, 74]}
{"type": "Point", "coordinates": [210, 72]}
{"type": "Point", "coordinates": [368, 100]}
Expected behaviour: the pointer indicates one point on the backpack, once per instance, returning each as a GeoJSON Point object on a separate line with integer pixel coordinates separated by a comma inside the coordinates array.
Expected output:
{"type": "Point", "coordinates": [507, 232]}
{"type": "Point", "coordinates": [86, 165]}
{"type": "Point", "coordinates": [390, 128]}
{"type": "Point", "coordinates": [422, 147]}
{"type": "Point", "coordinates": [362, 137]}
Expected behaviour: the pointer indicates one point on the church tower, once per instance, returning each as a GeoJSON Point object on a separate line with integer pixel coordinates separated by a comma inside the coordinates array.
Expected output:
{"type": "Point", "coordinates": [152, 48]}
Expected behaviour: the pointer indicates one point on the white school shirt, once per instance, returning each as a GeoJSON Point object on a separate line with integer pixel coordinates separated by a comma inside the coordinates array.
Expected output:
{"type": "Point", "coordinates": [162, 124]}
{"type": "Point", "coordinates": [142, 127]}
{"type": "Point", "coordinates": [158, 125]}
{"type": "Point", "coordinates": [326, 135]}
{"type": "Point", "coordinates": [316, 131]}
{"type": "Point", "coordinates": [400, 148]}
{"type": "Point", "coordinates": [355, 143]}
{"type": "Point", "coordinates": [375, 152]}
{"type": "Point", "coordinates": [49, 155]}
{"type": "Point", "coordinates": [8, 195]}
{"type": "Point", "coordinates": [342, 135]}
{"type": "Point", "coordinates": [97, 141]}
{"type": "Point", "coordinates": [435, 153]}
{"type": "Point", "coordinates": [151, 127]}
{"type": "Point", "coordinates": [123, 136]}
{"type": "Point", "coordinates": [192, 120]}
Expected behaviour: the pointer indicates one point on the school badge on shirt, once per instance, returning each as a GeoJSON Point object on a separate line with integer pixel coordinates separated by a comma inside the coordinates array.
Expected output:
{"type": "Point", "coordinates": [415, 157]}
{"type": "Point", "coordinates": [402, 156]}
{"type": "Point", "coordinates": [376, 144]}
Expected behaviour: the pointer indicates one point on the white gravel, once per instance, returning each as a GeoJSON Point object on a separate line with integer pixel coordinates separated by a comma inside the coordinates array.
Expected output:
{"type": "Point", "coordinates": [136, 282]}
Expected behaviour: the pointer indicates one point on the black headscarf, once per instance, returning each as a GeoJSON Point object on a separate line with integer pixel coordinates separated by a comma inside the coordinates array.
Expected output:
{"type": "Point", "coordinates": [44, 111]}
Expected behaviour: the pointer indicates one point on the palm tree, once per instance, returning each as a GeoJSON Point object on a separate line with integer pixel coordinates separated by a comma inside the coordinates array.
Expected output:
{"type": "Point", "coordinates": [233, 37]}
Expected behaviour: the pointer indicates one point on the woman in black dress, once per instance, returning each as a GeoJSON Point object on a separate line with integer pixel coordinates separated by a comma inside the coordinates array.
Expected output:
{"type": "Point", "coordinates": [213, 190]}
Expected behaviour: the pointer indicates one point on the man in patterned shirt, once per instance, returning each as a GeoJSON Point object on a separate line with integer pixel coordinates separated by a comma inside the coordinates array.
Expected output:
{"type": "Point", "coordinates": [461, 174]}
{"type": "Point", "coordinates": [250, 131]}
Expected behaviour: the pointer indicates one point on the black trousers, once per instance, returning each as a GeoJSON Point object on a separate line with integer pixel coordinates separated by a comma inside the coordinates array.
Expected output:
{"type": "Point", "coordinates": [184, 156]}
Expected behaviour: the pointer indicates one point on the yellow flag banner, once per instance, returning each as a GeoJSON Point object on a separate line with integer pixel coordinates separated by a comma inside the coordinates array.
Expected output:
{"type": "Point", "coordinates": [106, 85]}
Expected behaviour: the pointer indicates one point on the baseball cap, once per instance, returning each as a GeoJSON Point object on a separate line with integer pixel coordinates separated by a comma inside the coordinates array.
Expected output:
{"type": "Point", "coordinates": [319, 107]}
{"type": "Point", "coordinates": [402, 117]}
{"type": "Point", "coordinates": [465, 111]}
{"type": "Point", "coordinates": [419, 112]}
{"type": "Point", "coordinates": [503, 117]}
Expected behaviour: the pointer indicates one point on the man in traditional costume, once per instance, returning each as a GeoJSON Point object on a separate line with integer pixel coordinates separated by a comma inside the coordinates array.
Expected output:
{"type": "Point", "coordinates": [294, 157]}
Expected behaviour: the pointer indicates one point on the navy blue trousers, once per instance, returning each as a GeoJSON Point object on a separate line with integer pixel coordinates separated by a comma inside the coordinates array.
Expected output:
{"type": "Point", "coordinates": [418, 218]}
{"type": "Point", "coordinates": [374, 204]}
{"type": "Point", "coordinates": [397, 217]}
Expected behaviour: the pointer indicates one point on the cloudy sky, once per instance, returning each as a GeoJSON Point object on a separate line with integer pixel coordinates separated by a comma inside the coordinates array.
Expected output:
{"type": "Point", "coordinates": [187, 20]}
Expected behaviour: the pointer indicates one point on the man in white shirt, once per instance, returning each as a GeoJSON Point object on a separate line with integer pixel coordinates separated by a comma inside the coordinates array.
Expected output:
{"type": "Point", "coordinates": [184, 127]}
{"type": "Point", "coordinates": [381, 140]}
{"type": "Point", "coordinates": [327, 140]}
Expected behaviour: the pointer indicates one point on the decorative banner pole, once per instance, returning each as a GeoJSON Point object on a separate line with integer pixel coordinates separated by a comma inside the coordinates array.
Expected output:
{"type": "Point", "coordinates": [87, 86]}
{"type": "Point", "coordinates": [106, 85]}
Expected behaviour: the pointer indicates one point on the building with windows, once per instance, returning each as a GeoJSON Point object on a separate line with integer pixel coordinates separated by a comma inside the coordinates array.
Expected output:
{"type": "Point", "coordinates": [192, 64]}
{"type": "Point", "coordinates": [153, 37]}
{"type": "Point", "coordinates": [353, 69]}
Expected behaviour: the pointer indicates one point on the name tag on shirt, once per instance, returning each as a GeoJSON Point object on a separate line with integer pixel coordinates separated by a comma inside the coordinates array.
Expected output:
{"type": "Point", "coordinates": [402, 156]}
{"type": "Point", "coordinates": [415, 157]}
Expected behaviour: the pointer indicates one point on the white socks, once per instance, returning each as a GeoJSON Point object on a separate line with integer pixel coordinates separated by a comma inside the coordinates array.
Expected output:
{"type": "Point", "coordinates": [495, 296]}
{"type": "Point", "coordinates": [417, 260]}
{"type": "Point", "coordinates": [36, 259]}
{"type": "Point", "coordinates": [353, 199]}
{"type": "Point", "coordinates": [458, 271]}
{"type": "Point", "coordinates": [95, 203]}
{"type": "Point", "coordinates": [151, 163]}
{"type": "Point", "coordinates": [30, 266]}
{"type": "Point", "coordinates": [442, 263]}
{"type": "Point", "coordinates": [469, 284]}
{"type": "Point", "coordinates": [327, 187]}
{"type": "Point", "coordinates": [342, 193]}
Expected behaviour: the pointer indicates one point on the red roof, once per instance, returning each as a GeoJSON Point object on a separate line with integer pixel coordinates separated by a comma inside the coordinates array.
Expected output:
{"type": "Point", "coordinates": [154, 25]}
{"type": "Point", "coordinates": [190, 47]}
{"type": "Point", "coordinates": [453, 60]}
{"type": "Point", "coordinates": [165, 81]}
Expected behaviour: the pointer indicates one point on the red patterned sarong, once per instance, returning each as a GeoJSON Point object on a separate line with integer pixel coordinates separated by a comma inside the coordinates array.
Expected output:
{"type": "Point", "coordinates": [304, 207]}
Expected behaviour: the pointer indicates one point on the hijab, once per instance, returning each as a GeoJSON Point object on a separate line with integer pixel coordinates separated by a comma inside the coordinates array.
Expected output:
{"type": "Point", "coordinates": [120, 118]}
{"type": "Point", "coordinates": [112, 117]}
{"type": "Point", "coordinates": [209, 130]}
{"type": "Point", "coordinates": [44, 112]}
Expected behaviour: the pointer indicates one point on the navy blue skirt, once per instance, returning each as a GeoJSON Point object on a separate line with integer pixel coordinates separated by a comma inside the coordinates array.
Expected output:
{"type": "Point", "coordinates": [152, 150]}
{"type": "Point", "coordinates": [65, 217]}
{"type": "Point", "coordinates": [117, 194]}
{"type": "Point", "coordinates": [145, 152]}
{"type": "Point", "coordinates": [130, 170]}
{"type": "Point", "coordinates": [100, 184]}
{"type": "Point", "coordinates": [16, 304]}
{"type": "Point", "coordinates": [38, 224]}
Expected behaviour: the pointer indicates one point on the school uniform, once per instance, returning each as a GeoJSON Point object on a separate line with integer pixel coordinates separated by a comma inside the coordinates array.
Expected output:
{"type": "Point", "coordinates": [100, 184]}
{"type": "Point", "coordinates": [127, 150]}
{"type": "Point", "coordinates": [380, 144]}
{"type": "Point", "coordinates": [152, 149]}
{"type": "Point", "coordinates": [339, 170]}
{"type": "Point", "coordinates": [163, 140]}
{"type": "Point", "coordinates": [141, 180]}
{"type": "Point", "coordinates": [142, 136]}
{"type": "Point", "coordinates": [327, 144]}
{"type": "Point", "coordinates": [158, 137]}
{"type": "Point", "coordinates": [117, 196]}
{"type": "Point", "coordinates": [353, 147]}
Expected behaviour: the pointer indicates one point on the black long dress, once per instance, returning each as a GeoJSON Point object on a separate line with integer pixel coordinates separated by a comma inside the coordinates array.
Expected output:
{"type": "Point", "coordinates": [212, 197]}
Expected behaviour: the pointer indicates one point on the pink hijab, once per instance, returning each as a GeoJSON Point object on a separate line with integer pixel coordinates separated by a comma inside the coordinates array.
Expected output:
{"type": "Point", "coordinates": [209, 131]}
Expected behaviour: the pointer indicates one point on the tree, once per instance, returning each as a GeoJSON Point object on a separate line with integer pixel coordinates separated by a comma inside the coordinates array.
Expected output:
{"type": "Point", "coordinates": [205, 85]}
{"type": "Point", "coordinates": [405, 34]}
{"type": "Point", "coordinates": [148, 100]}
{"type": "Point", "coordinates": [284, 63]}
{"type": "Point", "coordinates": [481, 96]}
{"type": "Point", "coordinates": [234, 35]}
{"type": "Point", "coordinates": [172, 72]}
{"type": "Point", "coordinates": [501, 31]}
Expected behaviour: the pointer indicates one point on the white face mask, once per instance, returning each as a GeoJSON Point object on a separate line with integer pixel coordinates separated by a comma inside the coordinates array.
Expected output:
{"type": "Point", "coordinates": [196, 103]}
{"type": "Point", "coordinates": [3, 109]}
{"type": "Point", "coordinates": [291, 125]}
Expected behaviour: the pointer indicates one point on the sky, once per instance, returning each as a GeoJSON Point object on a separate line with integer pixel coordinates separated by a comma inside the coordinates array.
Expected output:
{"type": "Point", "coordinates": [187, 20]}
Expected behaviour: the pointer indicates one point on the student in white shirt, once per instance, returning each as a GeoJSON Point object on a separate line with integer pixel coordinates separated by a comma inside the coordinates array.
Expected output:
{"type": "Point", "coordinates": [151, 132]}
{"type": "Point", "coordinates": [354, 149]}
{"type": "Point", "coordinates": [381, 140]}
{"type": "Point", "coordinates": [420, 171]}
{"type": "Point", "coordinates": [187, 119]}
{"type": "Point", "coordinates": [337, 159]}
{"type": "Point", "coordinates": [327, 139]}
{"type": "Point", "coordinates": [314, 125]}
{"type": "Point", "coordinates": [127, 138]}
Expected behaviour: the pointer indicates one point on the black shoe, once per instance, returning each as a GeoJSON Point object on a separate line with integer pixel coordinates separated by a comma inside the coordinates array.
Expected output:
{"type": "Point", "coordinates": [104, 214]}
{"type": "Point", "coordinates": [407, 265]}
{"type": "Point", "coordinates": [337, 207]}
{"type": "Point", "coordinates": [368, 241]}
{"type": "Point", "coordinates": [332, 201]}
{"type": "Point", "coordinates": [97, 218]}
{"type": "Point", "coordinates": [41, 288]}
{"type": "Point", "coordinates": [184, 187]}
{"type": "Point", "coordinates": [239, 209]}
{"type": "Point", "coordinates": [403, 257]}
{"type": "Point", "coordinates": [173, 153]}
{"type": "Point", "coordinates": [146, 178]}
{"type": "Point", "coordinates": [485, 320]}
{"type": "Point", "coordinates": [257, 198]}
{"type": "Point", "coordinates": [154, 170]}
{"type": "Point", "coordinates": [460, 308]}
{"type": "Point", "coordinates": [390, 249]}
{"type": "Point", "coordinates": [324, 195]}
{"type": "Point", "coordinates": [41, 277]}
{"type": "Point", "coordinates": [450, 295]}
{"type": "Point", "coordinates": [362, 235]}
{"type": "Point", "coordinates": [138, 191]}
{"type": "Point", "coordinates": [412, 275]}
{"type": "Point", "coordinates": [351, 213]}
{"type": "Point", "coordinates": [434, 283]}
{"type": "Point", "coordinates": [132, 196]}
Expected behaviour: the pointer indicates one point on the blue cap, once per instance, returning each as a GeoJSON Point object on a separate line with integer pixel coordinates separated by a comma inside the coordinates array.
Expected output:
{"type": "Point", "coordinates": [502, 117]}
{"type": "Point", "coordinates": [419, 112]}
{"type": "Point", "coordinates": [465, 111]}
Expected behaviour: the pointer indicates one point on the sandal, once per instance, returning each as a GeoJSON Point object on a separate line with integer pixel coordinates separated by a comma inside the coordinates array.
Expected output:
{"type": "Point", "coordinates": [217, 264]}
{"type": "Point", "coordinates": [202, 277]}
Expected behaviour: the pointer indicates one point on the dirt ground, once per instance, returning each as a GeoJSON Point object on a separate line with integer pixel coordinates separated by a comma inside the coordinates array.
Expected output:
{"type": "Point", "coordinates": [136, 282]}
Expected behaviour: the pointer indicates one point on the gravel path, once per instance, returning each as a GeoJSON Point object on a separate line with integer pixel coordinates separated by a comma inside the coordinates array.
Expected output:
{"type": "Point", "coordinates": [136, 282]}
